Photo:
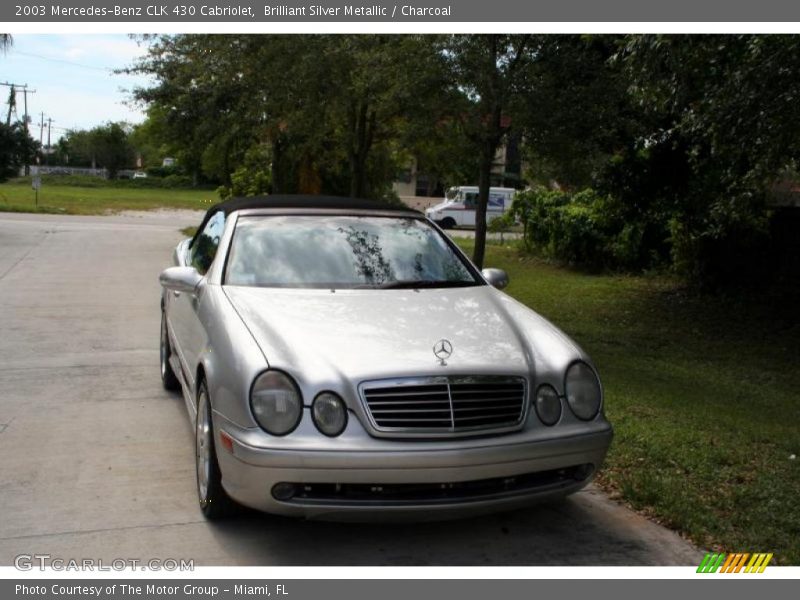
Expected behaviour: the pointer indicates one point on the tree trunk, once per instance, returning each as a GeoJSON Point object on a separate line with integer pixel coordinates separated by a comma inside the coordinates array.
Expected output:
{"type": "Point", "coordinates": [491, 141]}
{"type": "Point", "coordinates": [492, 134]}
{"type": "Point", "coordinates": [363, 127]}
{"type": "Point", "coordinates": [308, 179]}
{"type": "Point", "coordinates": [277, 183]}
{"type": "Point", "coordinates": [484, 182]}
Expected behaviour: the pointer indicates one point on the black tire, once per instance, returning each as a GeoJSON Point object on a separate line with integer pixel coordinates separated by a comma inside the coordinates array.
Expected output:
{"type": "Point", "coordinates": [448, 223]}
{"type": "Point", "coordinates": [168, 377]}
{"type": "Point", "coordinates": [214, 501]}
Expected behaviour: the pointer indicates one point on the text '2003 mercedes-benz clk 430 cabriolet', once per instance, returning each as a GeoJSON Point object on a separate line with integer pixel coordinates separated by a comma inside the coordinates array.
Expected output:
{"type": "Point", "coordinates": [344, 359]}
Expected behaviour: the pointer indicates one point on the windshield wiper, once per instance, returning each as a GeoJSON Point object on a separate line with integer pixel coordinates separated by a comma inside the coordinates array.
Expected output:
{"type": "Point", "coordinates": [422, 283]}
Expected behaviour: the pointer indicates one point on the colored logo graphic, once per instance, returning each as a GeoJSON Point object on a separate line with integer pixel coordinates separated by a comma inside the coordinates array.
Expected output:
{"type": "Point", "coordinates": [714, 562]}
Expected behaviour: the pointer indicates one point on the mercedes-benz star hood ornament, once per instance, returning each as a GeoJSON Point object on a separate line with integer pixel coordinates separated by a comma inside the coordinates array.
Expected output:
{"type": "Point", "coordinates": [442, 350]}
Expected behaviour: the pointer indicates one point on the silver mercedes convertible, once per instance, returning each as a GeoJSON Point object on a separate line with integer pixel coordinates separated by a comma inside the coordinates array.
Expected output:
{"type": "Point", "coordinates": [343, 359]}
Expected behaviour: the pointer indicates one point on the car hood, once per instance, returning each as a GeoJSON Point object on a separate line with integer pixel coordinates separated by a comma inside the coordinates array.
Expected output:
{"type": "Point", "coordinates": [355, 335]}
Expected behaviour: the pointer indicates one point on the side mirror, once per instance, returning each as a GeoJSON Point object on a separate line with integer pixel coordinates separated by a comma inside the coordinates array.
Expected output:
{"type": "Point", "coordinates": [496, 277]}
{"type": "Point", "coordinates": [180, 279]}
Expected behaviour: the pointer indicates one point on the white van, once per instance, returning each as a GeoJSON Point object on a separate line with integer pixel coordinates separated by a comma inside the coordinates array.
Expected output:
{"type": "Point", "coordinates": [458, 207]}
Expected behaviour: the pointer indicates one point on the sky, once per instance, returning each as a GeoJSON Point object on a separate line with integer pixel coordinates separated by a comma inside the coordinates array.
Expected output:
{"type": "Point", "coordinates": [73, 79]}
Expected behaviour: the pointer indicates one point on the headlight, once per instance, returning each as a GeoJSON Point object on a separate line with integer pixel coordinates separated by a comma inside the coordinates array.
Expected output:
{"type": "Point", "coordinates": [276, 402]}
{"type": "Point", "coordinates": [548, 405]}
{"type": "Point", "coordinates": [583, 391]}
{"type": "Point", "coordinates": [329, 414]}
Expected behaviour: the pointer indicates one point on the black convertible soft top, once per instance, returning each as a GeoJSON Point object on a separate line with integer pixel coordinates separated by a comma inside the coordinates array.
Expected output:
{"type": "Point", "coordinates": [295, 201]}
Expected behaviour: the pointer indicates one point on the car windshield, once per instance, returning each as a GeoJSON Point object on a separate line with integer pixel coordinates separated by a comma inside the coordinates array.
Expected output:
{"type": "Point", "coordinates": [343, 252]}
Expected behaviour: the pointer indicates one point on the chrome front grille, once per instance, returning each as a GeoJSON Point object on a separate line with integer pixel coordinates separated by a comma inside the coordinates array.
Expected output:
{"type": "Point", "coordinates": [455, 405]}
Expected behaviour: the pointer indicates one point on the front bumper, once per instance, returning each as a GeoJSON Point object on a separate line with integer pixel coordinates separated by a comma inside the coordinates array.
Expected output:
{"type": "Point", "coordinates": [386, 479]}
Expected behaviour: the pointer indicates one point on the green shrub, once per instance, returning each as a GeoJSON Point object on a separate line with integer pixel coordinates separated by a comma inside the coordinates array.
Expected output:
{"type": "Point", "coordinates": [730, 246]}
{"type": "Point", "coordinates": [164, 171]}
{"type": "Point", "coordinates": [175, 181]}
{"type": "Point", "coordinates": [584, 228]}
{"type": "Point", "coordinates": [577, 235]}
{"type": "Point", "coordinates": [254, 177]}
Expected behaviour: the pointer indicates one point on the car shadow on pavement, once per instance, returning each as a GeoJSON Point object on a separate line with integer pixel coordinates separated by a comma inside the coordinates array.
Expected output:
{"type": "Point", "coordinates": [565, 532]}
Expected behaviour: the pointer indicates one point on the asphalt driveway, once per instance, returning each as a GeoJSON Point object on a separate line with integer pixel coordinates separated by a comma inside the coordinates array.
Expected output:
{"type": "Point", "coordinates": [96, 458]}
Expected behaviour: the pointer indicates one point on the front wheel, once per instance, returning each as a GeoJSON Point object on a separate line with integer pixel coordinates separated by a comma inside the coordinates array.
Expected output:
{"type": "Point", "coordinates": [214, 501]}
{"type": "Point", "coordinates": [168, 377]}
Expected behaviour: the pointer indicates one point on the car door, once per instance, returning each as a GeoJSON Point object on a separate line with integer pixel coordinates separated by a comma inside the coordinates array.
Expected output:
{"type": "Point", "coordinates": [188, 330]}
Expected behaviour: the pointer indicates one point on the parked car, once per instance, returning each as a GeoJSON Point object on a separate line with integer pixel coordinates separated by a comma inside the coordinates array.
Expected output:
{"type": "Point", "coordinates": [341, 357]}
{"type": "Point", "coordinates": [458, 207]}
{"type": "Point", "coordinates": [139, 175]}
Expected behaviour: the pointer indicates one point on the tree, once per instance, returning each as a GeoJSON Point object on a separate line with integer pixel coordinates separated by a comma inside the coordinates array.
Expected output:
{"type": "Point", "coordinates": [189, 112]}
{"type": "Point", "coordinates": [328, 112]}
{"type": "Point", "coordinates": [6, 41]}
{"type": "Point", "coordinates": [577, 112]}
{"type": "Point", "coordinates": [15, 146]}
{"type": "Point", "coordinates": [490, 71]}
{"type": "Point", "coordinates": [148, 144]}
{"type": "Point", "coordinates": [384, 85]}
{"type": "Point", "coordinates": [724, 127]}
{"type": "Point", "coordinates": [105, 146]}
{"type": "Point", "coordinates": [683, 138]}
{"type": "Point", "coordinates": [112, 147]}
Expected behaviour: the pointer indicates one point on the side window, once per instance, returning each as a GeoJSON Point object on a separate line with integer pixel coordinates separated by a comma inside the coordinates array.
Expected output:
{"type": "Point", "coordinates": [205, 246]}
{"type": "Point", "coordinates": [470, 200]}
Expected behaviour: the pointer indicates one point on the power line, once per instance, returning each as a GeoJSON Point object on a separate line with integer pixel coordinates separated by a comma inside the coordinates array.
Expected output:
{"type": "Point", "coordinates": [66, 62]}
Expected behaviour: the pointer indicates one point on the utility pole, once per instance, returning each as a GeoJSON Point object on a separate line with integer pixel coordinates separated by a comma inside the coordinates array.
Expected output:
{"type": "Point", "coordinates": [16, 87]}
{"type": "Point", "coordinates": [49, 127]}
{"type": "Point", "coordinates": [12, 104]}
{"type": "Point", "coordinates": [25, 92]}
{"type": "Point", "coordinates": [12, 101]}
{"type": "Point", "coordinates": [41, 138]}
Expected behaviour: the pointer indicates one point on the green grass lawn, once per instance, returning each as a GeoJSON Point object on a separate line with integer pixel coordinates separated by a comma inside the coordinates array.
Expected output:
{"type": "Point", "coordinates": [19, 197]}
{"type": "Point", "coordinates": [703, 393]}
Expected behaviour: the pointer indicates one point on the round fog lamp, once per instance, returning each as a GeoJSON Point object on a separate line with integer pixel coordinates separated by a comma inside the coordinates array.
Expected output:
{"type": "Point", "coordinates": [548, 405]}
{"type": "Point", "coordinates": [329, 414]}
{"type": "Point", "coordinates": [283, 491]}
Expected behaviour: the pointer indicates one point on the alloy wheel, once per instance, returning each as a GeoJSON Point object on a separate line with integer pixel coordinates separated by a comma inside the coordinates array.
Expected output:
{"type": "Point", "coordinates": [203, 445]}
